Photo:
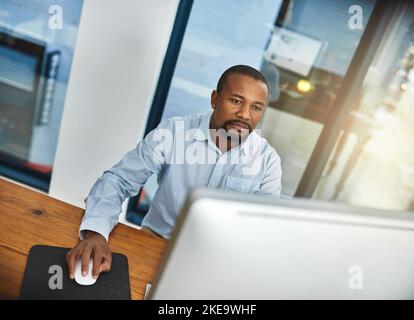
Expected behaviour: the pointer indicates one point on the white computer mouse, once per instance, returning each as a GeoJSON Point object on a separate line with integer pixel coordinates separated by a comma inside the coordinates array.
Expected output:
{"type": "Point", "coordinates": [88, 279]}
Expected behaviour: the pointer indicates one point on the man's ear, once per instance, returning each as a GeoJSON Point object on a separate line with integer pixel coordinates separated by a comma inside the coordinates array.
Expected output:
{"type": "Point", "coordinates": [214, 97]}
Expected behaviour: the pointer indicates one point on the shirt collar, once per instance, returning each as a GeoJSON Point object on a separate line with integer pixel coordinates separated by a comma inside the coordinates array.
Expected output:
{"type": "Point", "coordinates": [251, 143]}
{"type": "Point", "coordinates": [201, 133]}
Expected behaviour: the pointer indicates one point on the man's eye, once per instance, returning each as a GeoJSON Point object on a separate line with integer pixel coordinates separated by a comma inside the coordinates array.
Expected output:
{"type": "Point", "coordinates": [235, 101]}
{"type": "Point", "coordinates": [257, 108]}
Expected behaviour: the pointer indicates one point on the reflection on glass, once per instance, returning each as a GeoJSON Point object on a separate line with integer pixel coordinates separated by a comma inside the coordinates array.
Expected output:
{"type": "Point", "coordinates": [373, 161]}
{"type": "Point", "coordinates": [37, 39]}
{"type": "Point", "coordinates": [310, 48]}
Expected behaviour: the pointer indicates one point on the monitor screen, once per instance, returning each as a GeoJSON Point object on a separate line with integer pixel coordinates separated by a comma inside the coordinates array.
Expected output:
{"type": "Point", "coordinates": [17, 69]}
{"type": "Point", "coordinates": [242, 246]}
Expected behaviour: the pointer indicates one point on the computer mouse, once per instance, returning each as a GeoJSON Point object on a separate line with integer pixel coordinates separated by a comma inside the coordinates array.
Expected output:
{"type": "Point", "coordinates": [88, 279]}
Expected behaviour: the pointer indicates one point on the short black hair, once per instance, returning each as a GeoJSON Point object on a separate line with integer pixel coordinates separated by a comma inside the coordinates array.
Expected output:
{"type": "Point", "coordinates": [241, 69]}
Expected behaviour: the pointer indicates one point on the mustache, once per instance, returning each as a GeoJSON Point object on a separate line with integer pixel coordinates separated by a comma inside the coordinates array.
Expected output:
{"type": "Point", "coordinates": [245, 124]}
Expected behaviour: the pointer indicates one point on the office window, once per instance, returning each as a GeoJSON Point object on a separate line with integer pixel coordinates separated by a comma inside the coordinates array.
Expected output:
{"type": "Point", "coordinates": [372, 164]}
{"type": "Point", "coordinates": [311, 68]}
{"type": "Point", "coordinates": [37, 39]}
{"type": "Point", "coordinates": [304, 48]}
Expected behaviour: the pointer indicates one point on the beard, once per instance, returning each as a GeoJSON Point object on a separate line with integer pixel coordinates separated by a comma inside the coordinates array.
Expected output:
{"type": "Point", "coordinates": [237, 135]}
{"type": "Point", "coordinates": [244, 126]}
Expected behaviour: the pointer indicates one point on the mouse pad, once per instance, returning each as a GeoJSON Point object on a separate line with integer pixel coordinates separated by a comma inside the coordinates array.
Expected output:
{"type": "Point", "coordinates": [46, 277]}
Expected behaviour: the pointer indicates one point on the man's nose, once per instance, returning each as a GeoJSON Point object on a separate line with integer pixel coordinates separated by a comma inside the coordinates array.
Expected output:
{"type": "Point", "coordinates": [244, 112]}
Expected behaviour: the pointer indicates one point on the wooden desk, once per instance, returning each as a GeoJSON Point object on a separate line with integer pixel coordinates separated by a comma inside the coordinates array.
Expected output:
{"type": "Point", "coordinates": [28, 218]}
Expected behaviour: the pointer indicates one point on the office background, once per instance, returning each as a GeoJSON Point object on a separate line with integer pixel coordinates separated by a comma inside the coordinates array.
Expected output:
{"type": "Point", "coordinates": [120, 53]}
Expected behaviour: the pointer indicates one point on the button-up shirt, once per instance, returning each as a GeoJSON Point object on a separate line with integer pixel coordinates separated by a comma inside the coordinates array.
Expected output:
{"type": "Point", "coordinates": [181, 152]}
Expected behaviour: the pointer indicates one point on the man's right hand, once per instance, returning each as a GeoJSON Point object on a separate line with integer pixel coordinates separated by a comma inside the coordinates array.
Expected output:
{"type": "Point", "coordinates": [93, 246]}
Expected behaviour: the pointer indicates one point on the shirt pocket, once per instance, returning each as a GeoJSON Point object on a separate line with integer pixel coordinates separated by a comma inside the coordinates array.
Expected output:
{"type": "Point", "coordinates": [241, 185]}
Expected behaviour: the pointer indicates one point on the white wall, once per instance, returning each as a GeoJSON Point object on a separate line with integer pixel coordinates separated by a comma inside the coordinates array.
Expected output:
{"type": "Point", "coordinates": [118, 56]}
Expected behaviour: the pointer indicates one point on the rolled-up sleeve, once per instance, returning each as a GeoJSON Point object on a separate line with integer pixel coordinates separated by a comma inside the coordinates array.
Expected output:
{"type": "Point", "coordinates": [123, 180]}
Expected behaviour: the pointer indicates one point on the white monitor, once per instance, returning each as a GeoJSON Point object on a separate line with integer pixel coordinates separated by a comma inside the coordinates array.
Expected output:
{"type": "Point", "coordinates": [238, 246]}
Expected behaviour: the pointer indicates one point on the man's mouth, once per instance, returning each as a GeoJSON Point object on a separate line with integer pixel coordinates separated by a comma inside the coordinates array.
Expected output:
{"type": "Point", "coordinates": [239, 125]}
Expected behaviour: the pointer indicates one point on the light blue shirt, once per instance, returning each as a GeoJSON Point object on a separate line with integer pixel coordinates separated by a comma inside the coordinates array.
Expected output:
{"type": "Point", "coordinates": [182, 160]}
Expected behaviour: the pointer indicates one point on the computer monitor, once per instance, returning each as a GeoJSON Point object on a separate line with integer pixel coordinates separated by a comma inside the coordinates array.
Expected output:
{"type": "Point", "coordinates": [240, 246]}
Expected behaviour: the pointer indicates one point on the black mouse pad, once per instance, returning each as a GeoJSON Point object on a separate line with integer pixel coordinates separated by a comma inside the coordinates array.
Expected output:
{"type": "Point", "coordinates": [46, 277]}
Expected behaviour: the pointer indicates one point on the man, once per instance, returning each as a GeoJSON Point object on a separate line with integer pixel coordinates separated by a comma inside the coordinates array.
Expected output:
{"type": "Point", "coordinates": [217, 150]}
